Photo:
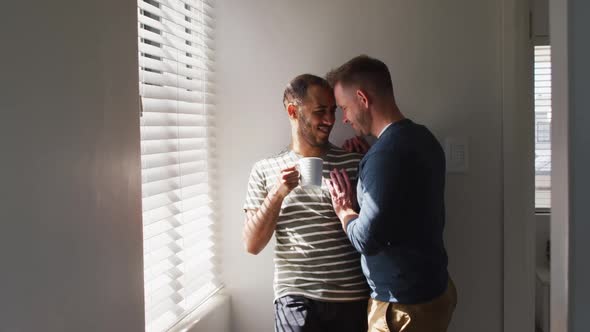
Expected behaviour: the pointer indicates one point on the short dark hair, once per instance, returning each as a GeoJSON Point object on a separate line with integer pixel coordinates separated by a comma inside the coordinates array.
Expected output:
{"type": "Point", "coordinates": [364, 72]}
{"type": "Point", "coordinates": [296, 90]}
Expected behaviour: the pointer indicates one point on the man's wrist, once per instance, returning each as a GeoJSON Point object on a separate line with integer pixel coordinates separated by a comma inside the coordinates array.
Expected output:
{"type": "Point", "coordinates": [280, 192]}
{"type": "Point", "coordinates": [347, 216]}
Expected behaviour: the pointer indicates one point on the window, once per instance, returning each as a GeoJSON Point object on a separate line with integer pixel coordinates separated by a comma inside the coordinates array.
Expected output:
{"type": "Point", "coordinates": [175, 83]}
{"type": "Point", "coordinates": [542, 73]}
{"type": "Point", "coordinates": [543, 132]}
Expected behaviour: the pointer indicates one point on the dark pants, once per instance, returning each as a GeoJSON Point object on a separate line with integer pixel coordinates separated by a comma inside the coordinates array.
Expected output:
{"type": "Point", "coordinates": [294, 313]}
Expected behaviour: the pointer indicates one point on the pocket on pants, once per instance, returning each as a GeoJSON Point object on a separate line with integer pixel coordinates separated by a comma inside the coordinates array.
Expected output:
{"type": "Point", "coordinates": [292, 313]}
{"type": "Point", "coordinates": [377, 316]}
{"type": "Point", "coordinates": [397, 320]}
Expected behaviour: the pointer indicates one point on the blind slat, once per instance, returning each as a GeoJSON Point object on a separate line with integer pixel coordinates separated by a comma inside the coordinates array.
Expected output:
{"type": "Point", "coordinates": [163, 225]}
{"type": "Point", "coordinates": [174, 171]}
{"type": "Point", "coordinates": [163, 244]}
{"type": "Point", "coordinates": [171, 80]}
{"type": "Point", "coordinates": [173, 120]}
{"type": "Point", "coordinates": [185, 232]}
{"type": "Point", "coordinates": [167, 185]}
{"type": "Point", "coordinates": [165, 172]}
{"type": "Point", "coordinates": [171, 55]}
{"type": "Point", "coordinates": [176, 43]}
{"type": "Point", "coordinates": [166, 65]}
{"type": "Point", "coordinates": [170, 210]}
{"type": "Point", "coordinates": [175, 265]}
{"type": "Point", "coordinates": [172, 158]}
{"type": "Point", "coordinates": [175, 106]}
{"type": "Point", "coordinates": [174, 252]}
{"type": "Point", "coordinates": [173, 145]}
{"type": "Point", "coordinates": [166, 201]}
{"type": "Point", "coordinates": [165, 133]}
{"type": "Point", "coordinates": [171, 93]}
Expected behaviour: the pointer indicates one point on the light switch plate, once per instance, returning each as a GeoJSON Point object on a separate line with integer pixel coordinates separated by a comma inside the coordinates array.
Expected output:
{"type": "Point", "coordinates": [457, 154]}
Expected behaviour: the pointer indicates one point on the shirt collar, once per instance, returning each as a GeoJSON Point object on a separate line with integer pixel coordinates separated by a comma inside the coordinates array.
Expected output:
{"type": "Point", "coordinates": [385, 128]}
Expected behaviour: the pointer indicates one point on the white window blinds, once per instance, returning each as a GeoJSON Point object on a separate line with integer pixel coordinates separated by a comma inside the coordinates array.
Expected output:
{"type": "Point", "coordinates": [175, 74]}
{"type": "Point", "coordinates": [542, 72]}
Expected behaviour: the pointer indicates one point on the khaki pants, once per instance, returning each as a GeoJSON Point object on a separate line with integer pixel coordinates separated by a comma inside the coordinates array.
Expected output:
{"type": "Point", "coordinates": [433, 316]}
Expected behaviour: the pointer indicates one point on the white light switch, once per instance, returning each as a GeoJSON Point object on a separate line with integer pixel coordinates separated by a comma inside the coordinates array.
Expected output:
{"type": "Point", "coordinates": [457, 154]}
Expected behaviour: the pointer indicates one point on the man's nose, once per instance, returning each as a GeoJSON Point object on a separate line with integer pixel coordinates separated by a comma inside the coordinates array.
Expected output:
{"type": "Point", "coordinates": [344, 118]}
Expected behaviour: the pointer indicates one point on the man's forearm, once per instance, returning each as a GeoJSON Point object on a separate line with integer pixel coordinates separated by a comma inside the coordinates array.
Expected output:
{"type": "Point", "coordinates": [367, 231]}
{"type": "Point", "coordinates": [346, 216]}
{"type": "Point", "coordinates": [260, 224]}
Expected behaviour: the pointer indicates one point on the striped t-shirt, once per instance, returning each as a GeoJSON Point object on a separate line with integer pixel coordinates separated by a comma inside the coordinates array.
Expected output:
{"type": "Point", "coordinates": [313, 256]}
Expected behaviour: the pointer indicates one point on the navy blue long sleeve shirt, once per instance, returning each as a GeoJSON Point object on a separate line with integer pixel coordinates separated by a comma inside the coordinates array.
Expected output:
{"type": "Point", "coordinates": [399, 230]}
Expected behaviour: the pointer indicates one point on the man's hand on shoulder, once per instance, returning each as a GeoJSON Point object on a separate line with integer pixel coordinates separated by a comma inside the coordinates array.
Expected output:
{"type": "Point", "coordinates": [356, 144]}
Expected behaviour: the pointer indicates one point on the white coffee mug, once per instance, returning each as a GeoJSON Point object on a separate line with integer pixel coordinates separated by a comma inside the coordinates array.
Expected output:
{"type": "Point", "coordinates": [310, 170]}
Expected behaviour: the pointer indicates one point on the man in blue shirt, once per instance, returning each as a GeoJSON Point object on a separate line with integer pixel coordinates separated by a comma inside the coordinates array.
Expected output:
{"type": "Point", "coordinates": [399, 226]}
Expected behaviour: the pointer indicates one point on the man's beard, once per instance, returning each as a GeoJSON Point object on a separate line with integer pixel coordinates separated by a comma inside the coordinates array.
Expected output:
{"type": "Point", "coordinates": [305, 131]}
{"type": "Point", "coordinates": [363, 121]}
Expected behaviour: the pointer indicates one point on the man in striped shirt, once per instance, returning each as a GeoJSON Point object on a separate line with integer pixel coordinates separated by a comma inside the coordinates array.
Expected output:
{"type": "Point", "coordinates": [318, 283]}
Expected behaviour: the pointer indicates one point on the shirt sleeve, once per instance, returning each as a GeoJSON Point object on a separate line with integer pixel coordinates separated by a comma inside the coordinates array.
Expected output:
{"type": "Point", "coordinates": [256, 189]}
{"type": "Point", "coordinates": [381, 192]}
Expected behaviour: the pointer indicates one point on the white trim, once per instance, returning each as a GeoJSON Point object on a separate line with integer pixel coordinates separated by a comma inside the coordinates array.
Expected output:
{"type": "Point", "coordinates": [218, 303]}
{"type": "Point", "coordinates": [561, 217]}
{"type": "Point", "coordinates": [518, 167]}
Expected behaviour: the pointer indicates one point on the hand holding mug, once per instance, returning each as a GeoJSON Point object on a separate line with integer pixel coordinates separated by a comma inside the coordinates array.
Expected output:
{"type": "Point", "coordinates": [288, 180]}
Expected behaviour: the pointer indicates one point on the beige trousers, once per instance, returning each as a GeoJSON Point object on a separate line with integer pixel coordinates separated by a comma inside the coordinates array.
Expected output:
{"type": "Point", "coordinates": [433, 316]}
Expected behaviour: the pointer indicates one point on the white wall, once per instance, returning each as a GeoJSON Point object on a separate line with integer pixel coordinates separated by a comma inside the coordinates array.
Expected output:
{"type": "Point", "coordinates": [70, 240]}
{"type": "Point", "coordinates": [445, 59]}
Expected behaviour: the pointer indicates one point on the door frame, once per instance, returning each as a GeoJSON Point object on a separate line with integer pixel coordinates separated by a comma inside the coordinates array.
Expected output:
{"type": "Point", "coordinates": [518, 167]}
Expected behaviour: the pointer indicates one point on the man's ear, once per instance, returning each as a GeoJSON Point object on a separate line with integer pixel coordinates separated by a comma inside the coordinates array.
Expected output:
{"type": "Point", "coordinates": [363, 98]}
{"type": "Point", "coordinates": [292, 111]}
